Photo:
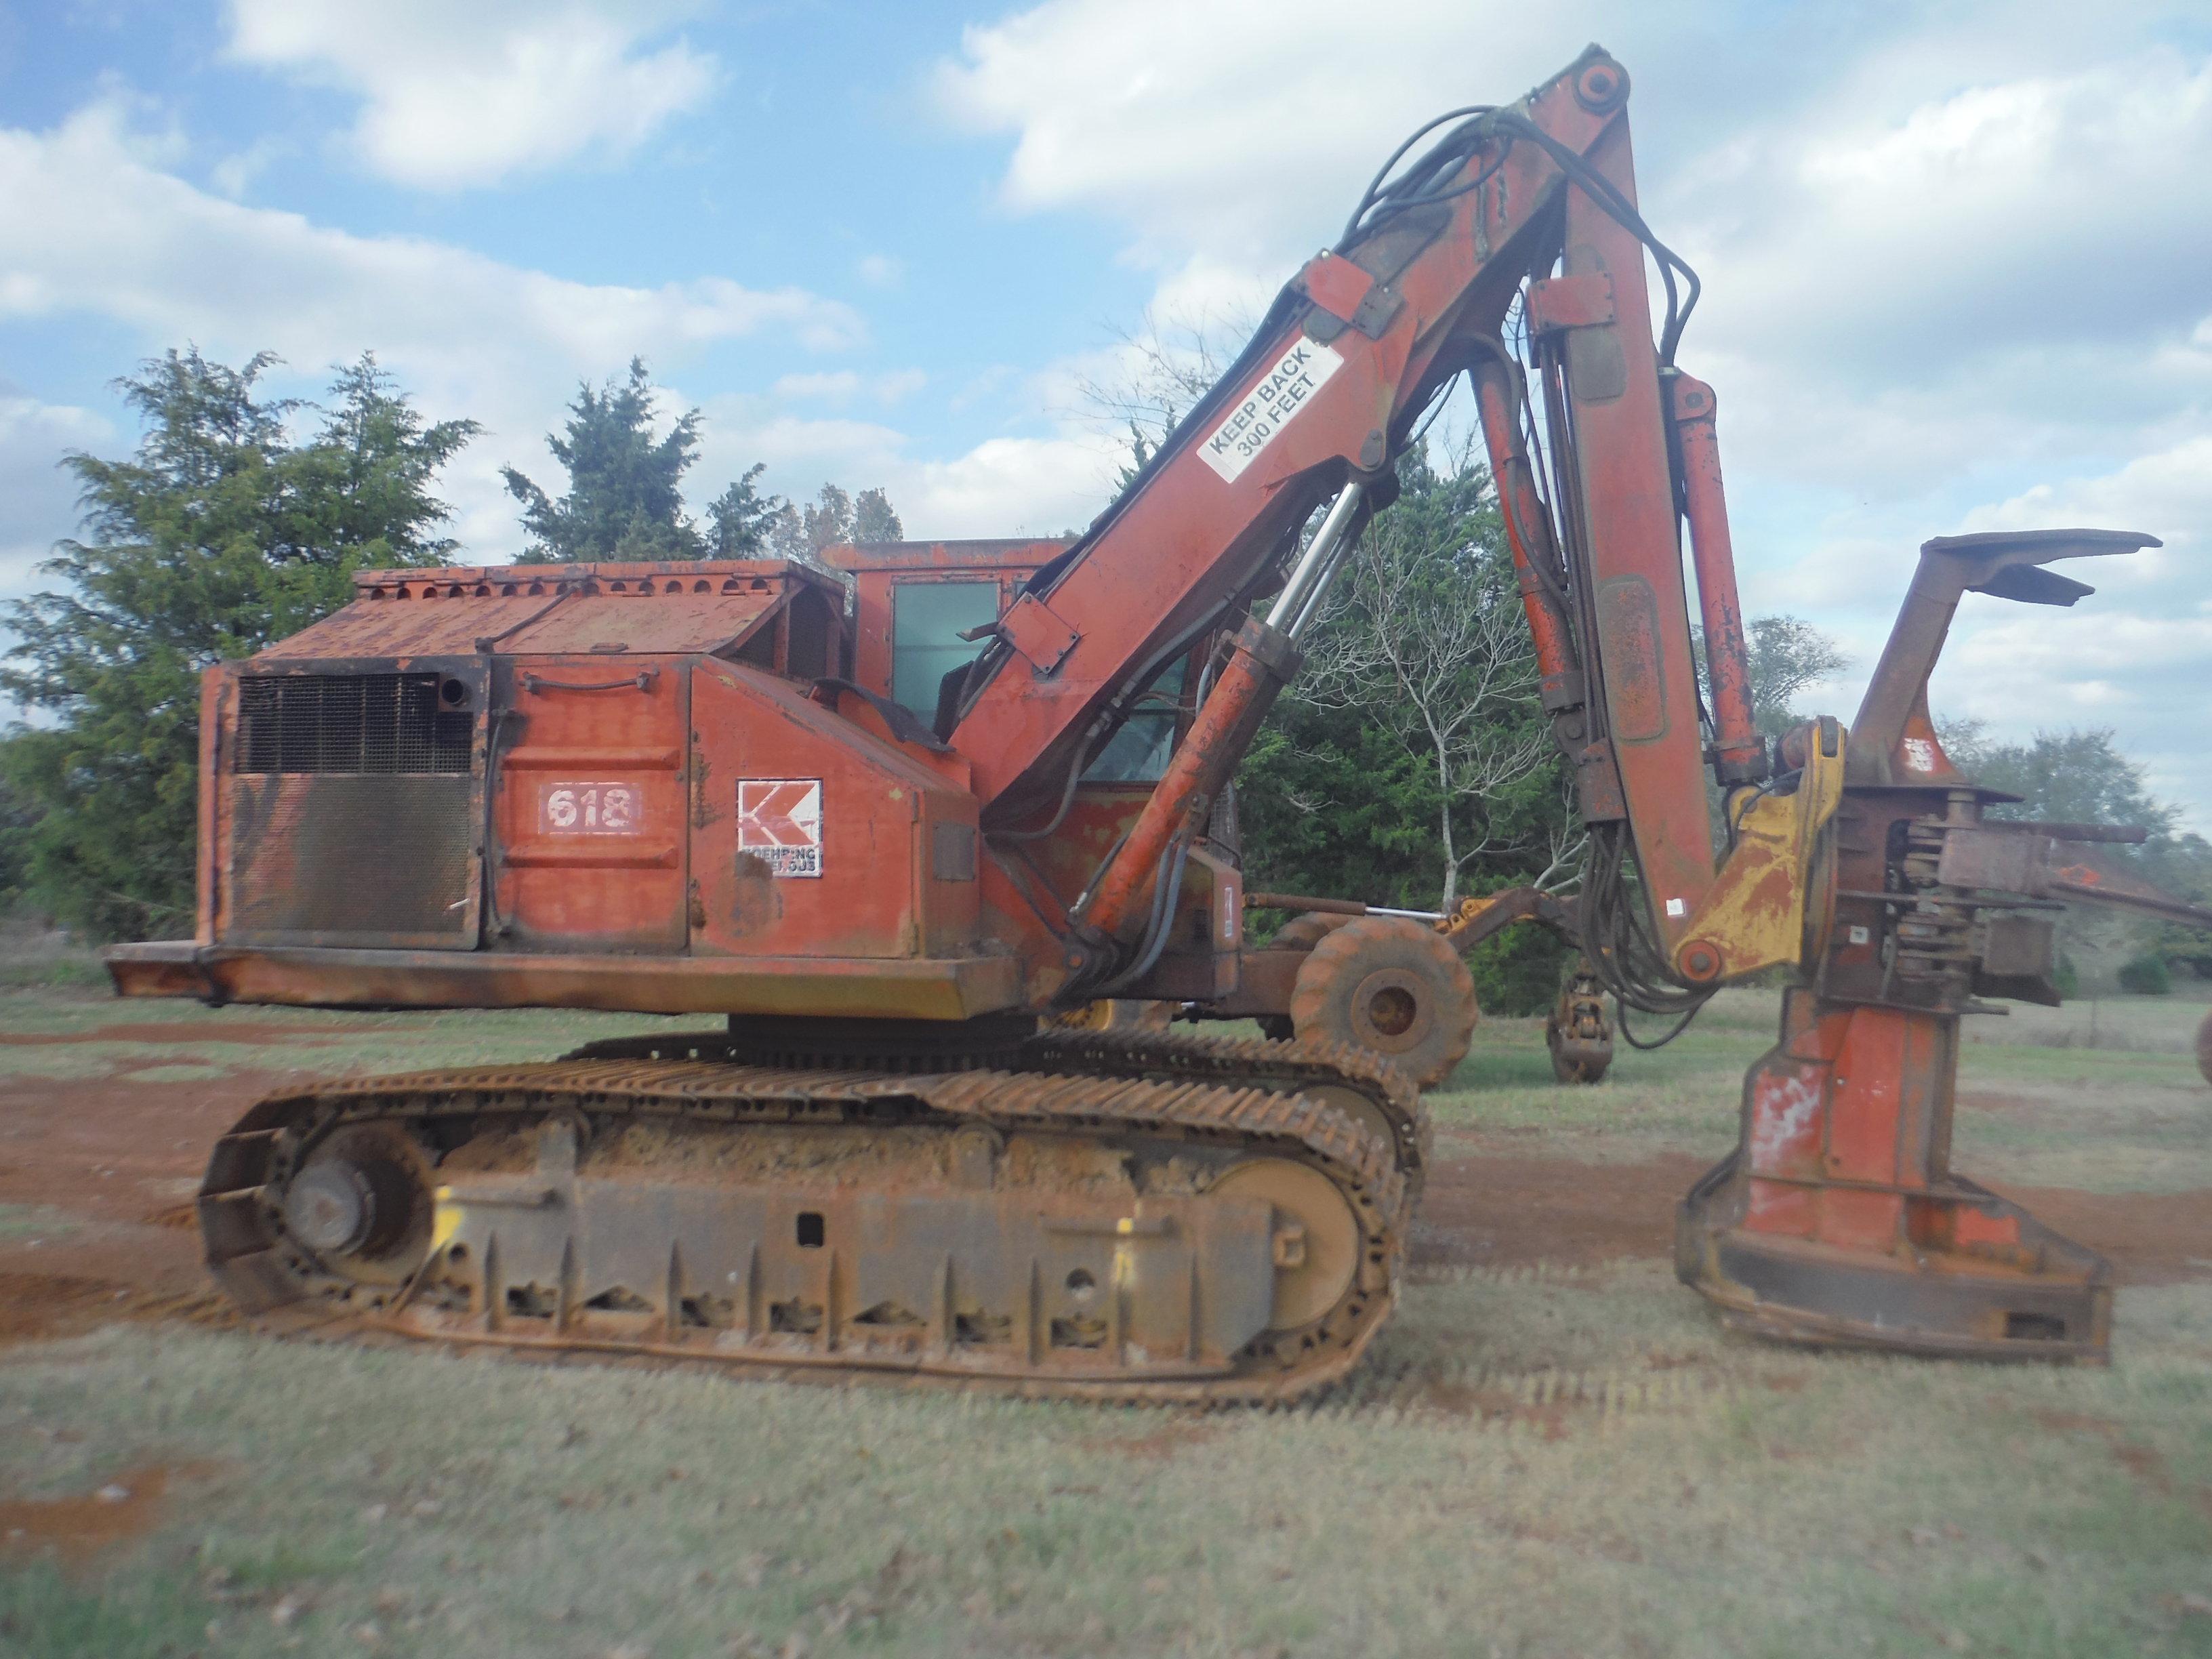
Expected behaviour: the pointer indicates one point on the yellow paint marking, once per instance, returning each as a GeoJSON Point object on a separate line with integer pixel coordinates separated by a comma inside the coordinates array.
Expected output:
{"type": "Point", "coordinates": [444, 1220]}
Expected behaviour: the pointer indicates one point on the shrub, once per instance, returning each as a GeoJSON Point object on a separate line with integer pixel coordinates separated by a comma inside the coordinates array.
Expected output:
{"type": "Point", "coordinates": [2147, 976]}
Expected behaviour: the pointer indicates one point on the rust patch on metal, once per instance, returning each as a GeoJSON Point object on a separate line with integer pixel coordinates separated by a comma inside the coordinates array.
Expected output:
{"type": "Point", "coordinates": [1635, 673]}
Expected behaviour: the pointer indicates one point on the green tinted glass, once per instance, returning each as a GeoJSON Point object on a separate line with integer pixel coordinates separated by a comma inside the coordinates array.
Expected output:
{"type": "Point", "coordinates": [927, 621]}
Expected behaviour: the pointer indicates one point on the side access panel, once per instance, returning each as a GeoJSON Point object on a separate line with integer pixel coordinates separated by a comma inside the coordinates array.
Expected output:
{"type": "Point", "coordinates": [587, 804]}
{"type": "Point", "coordinates": [812, 837]}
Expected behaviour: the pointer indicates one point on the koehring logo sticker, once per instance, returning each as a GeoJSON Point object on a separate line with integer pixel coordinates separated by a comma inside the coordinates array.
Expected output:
{"type": "Point", "coordinates": [1268, 407]}
{"type": "Point", "coordinates": [780, 823]}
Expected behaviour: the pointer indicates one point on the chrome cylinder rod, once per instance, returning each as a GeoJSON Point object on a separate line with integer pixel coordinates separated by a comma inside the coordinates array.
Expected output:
{"type": "Point", "coordinates": [1315, 565]}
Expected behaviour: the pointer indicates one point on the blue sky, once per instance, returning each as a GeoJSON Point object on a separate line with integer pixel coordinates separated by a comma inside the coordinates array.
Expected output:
{"type": "Point", "coordinates": [1955, 255]}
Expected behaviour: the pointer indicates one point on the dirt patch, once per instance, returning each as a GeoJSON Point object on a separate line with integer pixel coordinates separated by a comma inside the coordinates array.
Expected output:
{"type": "Point", "coordinates": [2151, 1238]}
{"type": "Point", "coordinates": [36, 1307]}
{"type": "Point", "coordinates": [121, 1162]}
{"type": "Point", "coordinates": [52, 1305]}
{"type": "Point", "coordinates": [243, 1031]}
{"type": "Point", "coordinates": [122, 1507]}
{"type": "Point", "coordinates": [1499, 1405]}
{"type": "Point", "coordinates": [1510, 1212]}
{"type": "Point", "coordinates": [1170, 1438]}
{"type": "Point", "coordinates": [1518, 1211]}
{"type": "Point", "coordinates": [113, 1151]}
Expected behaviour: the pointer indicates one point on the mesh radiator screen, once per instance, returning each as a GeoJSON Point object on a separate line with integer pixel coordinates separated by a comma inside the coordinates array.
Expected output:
{"type": "Point", "coordinates": [352, 815]}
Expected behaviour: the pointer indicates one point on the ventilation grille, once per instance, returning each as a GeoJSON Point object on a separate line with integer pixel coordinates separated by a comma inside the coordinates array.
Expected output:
{"type": "Point", "coordinates": [352, 860]}
{"type": "Point", "coordinates": [355, 724]}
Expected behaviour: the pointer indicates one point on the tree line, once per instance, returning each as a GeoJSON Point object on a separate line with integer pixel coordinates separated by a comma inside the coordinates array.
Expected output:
{"type": "Point", "coordinates": [1409, 766]}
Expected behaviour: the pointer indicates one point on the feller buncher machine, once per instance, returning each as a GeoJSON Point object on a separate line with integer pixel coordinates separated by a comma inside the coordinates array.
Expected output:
{"type": "Point", "coordinates": [695, 788]}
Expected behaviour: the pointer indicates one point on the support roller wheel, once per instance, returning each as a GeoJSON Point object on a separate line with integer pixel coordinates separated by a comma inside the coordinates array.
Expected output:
{"type": "Point", "coordinates": [1392, 987]}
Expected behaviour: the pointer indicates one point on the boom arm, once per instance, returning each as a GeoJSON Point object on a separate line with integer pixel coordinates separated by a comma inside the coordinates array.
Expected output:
{"type": "Point", "coordinates": [1316, 409]}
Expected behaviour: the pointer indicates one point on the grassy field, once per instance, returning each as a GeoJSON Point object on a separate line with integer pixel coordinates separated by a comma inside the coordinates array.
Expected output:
{"type": "Point", "coordinates": [1550, 1458]}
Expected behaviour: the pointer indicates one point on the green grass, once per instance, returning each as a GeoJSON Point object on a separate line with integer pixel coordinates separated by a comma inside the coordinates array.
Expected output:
{"type": "Point", "coordinates": [1554, 1464]}
{"type": "Point", "coordinates": [213, 1041]}
{"type": "Point", "coordinates": [20, 1223]}
{"type": "Point", "coordinates": [2132, 1114]}
{"type": "Point", "coordinates": [1531, 1462]}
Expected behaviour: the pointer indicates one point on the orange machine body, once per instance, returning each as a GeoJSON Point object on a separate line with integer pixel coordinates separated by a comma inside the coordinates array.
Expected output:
{"type": "Point", "coordinates": [673, 788]}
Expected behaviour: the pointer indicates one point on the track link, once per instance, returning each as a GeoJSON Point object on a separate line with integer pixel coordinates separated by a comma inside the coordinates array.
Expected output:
{"type": "Point", "coordinates": [1116, 1172]}
{"type": "Point", "coordinates": [1364, 1084]}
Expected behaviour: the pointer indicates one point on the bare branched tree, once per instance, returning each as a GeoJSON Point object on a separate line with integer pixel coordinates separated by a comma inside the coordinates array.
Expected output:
{"type": "Point", "coordinates": [1161, 368]}
{"type": "Point", "coordinates": [1430, 642]}
{"type": "Point", "coordinates": [1423, 638]}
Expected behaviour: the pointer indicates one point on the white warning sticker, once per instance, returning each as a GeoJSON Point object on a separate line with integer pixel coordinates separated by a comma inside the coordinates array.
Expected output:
{"type": "Point", "coordinates": [780, 822]}
{"type": "Point", "coordinates": [1287, 388]}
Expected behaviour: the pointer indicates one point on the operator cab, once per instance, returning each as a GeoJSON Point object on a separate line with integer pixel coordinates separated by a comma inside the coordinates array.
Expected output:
{"type": "Point", "coordinates": [914, 603]}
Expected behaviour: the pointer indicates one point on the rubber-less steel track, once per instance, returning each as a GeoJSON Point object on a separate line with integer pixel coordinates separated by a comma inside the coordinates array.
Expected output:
{"type": "Point", "coordinates": [1338, 1073]}
{"type": "Point", "coordinates": [1095, 1094]}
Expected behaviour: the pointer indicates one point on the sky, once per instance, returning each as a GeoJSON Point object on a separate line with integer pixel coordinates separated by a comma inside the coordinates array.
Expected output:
{"type": "Point", "coordinates": [1957, 257]}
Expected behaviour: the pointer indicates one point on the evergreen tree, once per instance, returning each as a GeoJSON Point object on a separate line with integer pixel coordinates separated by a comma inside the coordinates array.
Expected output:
{"type": "Point", "coordinates": [625, 497]}
{"type": "Point", "coordinates": [219, 534]}
{"type": "Point", "coordinates": [829, 520]}
{"type": "Point", "coordinates": [741, 520]}
{"type": "Point", "coordinates": [874, 519]}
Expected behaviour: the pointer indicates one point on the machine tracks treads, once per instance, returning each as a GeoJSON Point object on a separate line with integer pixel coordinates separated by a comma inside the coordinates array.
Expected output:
{"type": "Point", "coordinates": [1092, 1227]}
{"type": "Point", "coordinates": [1386, 1095]}
{"type": "Point", "coordinates": [1350, 1078]}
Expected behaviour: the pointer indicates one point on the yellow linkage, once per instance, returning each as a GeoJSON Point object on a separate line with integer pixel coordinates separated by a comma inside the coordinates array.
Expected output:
{"type": "Point", "coordinates": [1753, 914]}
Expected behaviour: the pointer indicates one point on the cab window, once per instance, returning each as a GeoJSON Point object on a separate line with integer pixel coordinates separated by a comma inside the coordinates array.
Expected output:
{"type": "Point", "coordinates": [927, 619]}
{"type": "Point", "coordinates": [1138, 752]}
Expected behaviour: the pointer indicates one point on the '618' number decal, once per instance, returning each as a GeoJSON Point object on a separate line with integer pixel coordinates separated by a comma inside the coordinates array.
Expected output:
{"type": "Point", "coordinates": [589, 809]}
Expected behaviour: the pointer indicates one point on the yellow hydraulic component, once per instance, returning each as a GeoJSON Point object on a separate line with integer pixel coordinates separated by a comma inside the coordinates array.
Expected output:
{"type": "Point", "coordinates": [1753, 914]}
{"type": "Point", "coordinates": [1463, 918]}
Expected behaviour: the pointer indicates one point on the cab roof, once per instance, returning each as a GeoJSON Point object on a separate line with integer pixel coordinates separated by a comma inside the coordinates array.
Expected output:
{"type": "Point", "coordinates": [675, 607]}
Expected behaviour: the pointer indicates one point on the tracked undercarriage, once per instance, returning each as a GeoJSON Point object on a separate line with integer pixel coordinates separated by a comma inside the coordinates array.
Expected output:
{"type": "Point", "coordinates": [1107, 1215]}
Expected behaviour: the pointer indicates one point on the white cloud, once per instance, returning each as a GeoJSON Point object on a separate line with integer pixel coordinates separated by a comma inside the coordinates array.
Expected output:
{"type": "Point", "coordinates": [455, 95]}
{"type": "Point", "coordinates": [234, 175]}
{"type": "Point", "coordinates": [37, 498]}
{"type": "Point", "coordinates": [838, 383]}
{"type": "Point", "coordinates": [2168, 494]}
{"type": "Point", "coordinates": [880, 271]}
{"type": "Point", "coordinates": [841, 386]}
{"type": "Point", "coordinates": [1941, 254]}
{"type": "Point", "coordinates": [899, 385]}
{"type": "Point", "coordinates": [1003, 487]}
{"type": "Point", "coordinates": [119, 239]}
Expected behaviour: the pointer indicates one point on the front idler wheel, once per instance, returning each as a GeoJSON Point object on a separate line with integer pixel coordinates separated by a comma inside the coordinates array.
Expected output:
{"type": "Point", "coordinates": [359, 1204]}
